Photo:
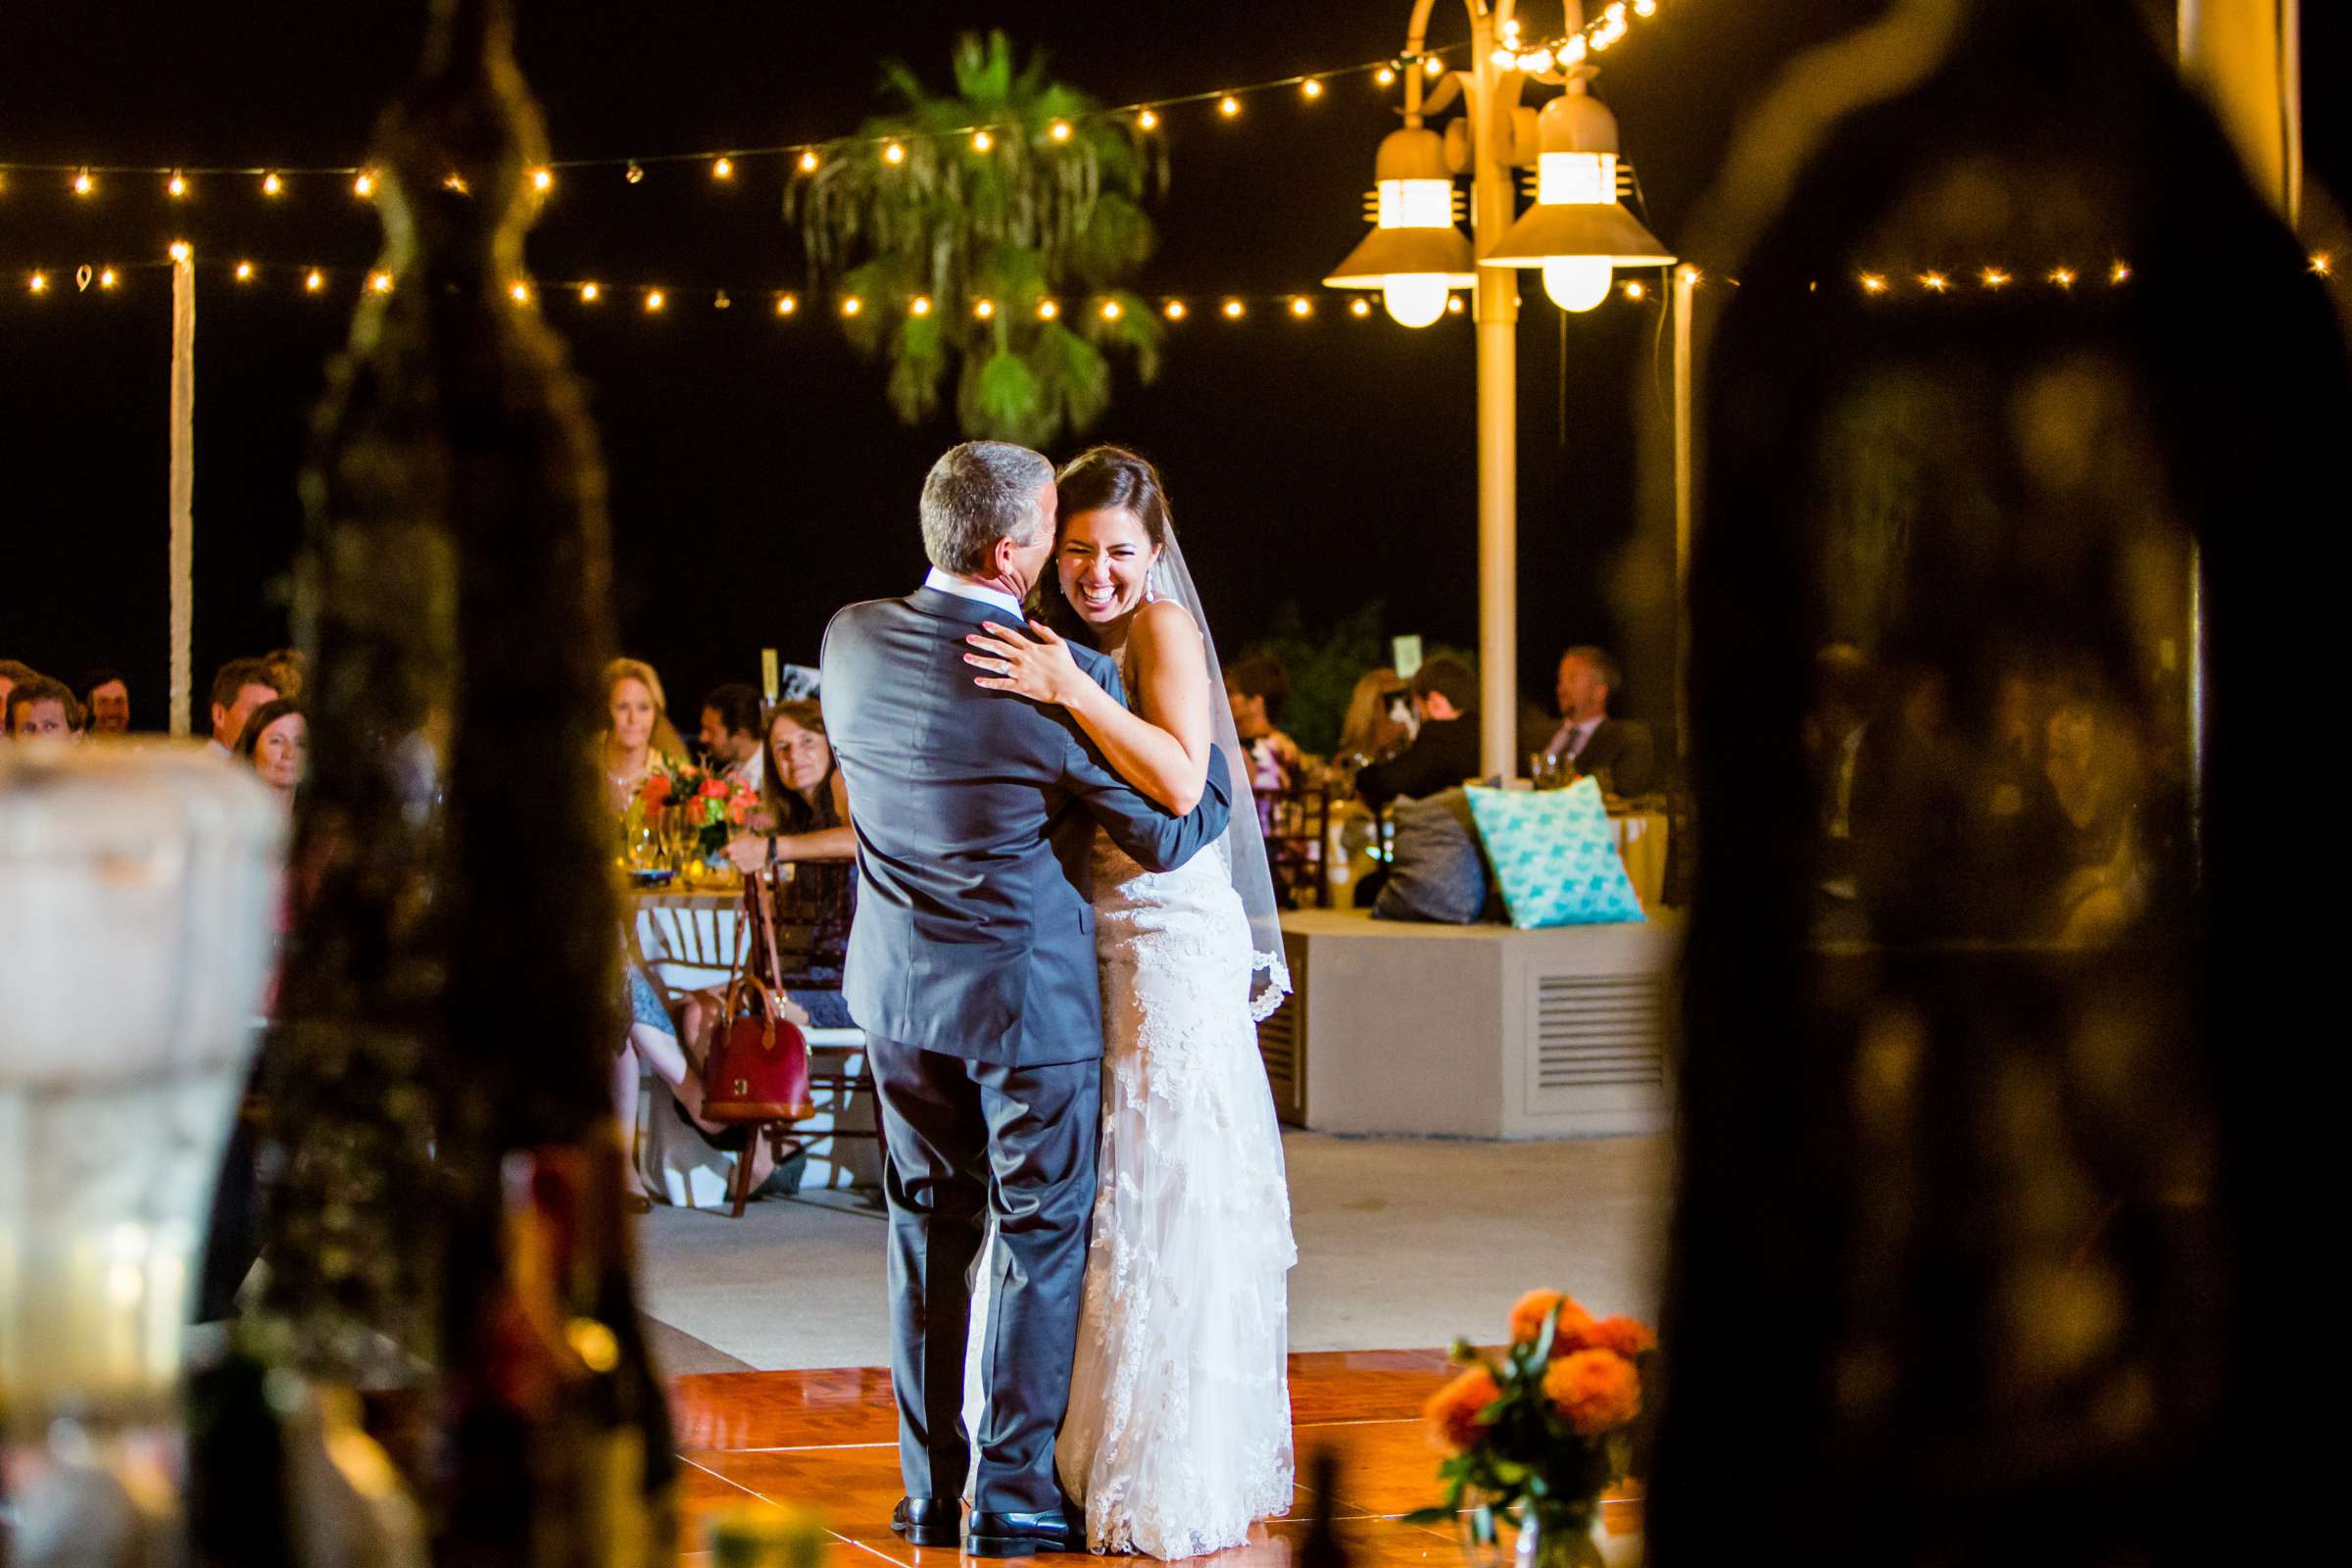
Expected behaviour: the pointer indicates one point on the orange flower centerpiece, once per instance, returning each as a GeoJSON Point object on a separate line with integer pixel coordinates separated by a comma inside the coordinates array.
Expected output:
{"type": "Point", "coordinates": [1538, 1435]}
{"type": "Point", "coordinates": [712, 809]}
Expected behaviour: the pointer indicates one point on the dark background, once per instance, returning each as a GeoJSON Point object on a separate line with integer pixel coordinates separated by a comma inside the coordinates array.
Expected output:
{"type": "Point", "coordinates": [758, 477]}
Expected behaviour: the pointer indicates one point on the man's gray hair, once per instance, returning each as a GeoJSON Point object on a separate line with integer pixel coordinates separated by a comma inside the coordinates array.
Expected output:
{"type": "Point", "coordinates": [977, 494]}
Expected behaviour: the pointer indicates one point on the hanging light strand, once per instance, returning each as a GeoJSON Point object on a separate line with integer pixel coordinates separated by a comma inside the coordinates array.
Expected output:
{"type": "Point", "coordinates": [1549, 57]}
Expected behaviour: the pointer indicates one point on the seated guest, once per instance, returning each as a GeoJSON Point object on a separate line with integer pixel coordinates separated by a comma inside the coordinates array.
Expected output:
{"type": "Point", "coordinates": [238, 688]}
{"type": "Point", "coordinates": [1436, 868]}
{"type": "Point", "coordinates": [276, 742]}
{"type": "Point", "coordinates": [1380, 718]}
{"type": "Point", "coordinates": [13, 673]}
{"type": "Point", "coordinates": [804, 820]}
{"type": "Point", "coordinates": [730, 734]}
{"type": "Point", "coordinates": [1617, 752]}
{"type": "Point", "coordinates": [289, 671]}
{"type": "Point", "coordinates": [1256, 690]}
{"type": "Point", "coordinates": [43, 710]}
{"type": "Point", "coordinates": [640, 730]}
{"type": "Point", "coordinates": [1444, 750]}
{"type": "Point", "coordinates": [106, 695]}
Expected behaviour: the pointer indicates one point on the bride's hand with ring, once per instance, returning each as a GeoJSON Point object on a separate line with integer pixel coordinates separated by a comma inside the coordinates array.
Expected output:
{"type": "Point", "coordinates": [1042, 669]}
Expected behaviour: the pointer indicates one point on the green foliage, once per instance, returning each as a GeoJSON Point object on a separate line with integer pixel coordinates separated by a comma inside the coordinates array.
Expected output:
{"type": "Point", "coordinates": [1323, 671]}
{"type": "Point", "coordinates": [1030, 219]}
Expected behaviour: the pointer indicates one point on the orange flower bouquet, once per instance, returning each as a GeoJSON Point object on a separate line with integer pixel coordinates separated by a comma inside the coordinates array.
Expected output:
{"type": "Point", "coordinates": [711, 808]}
{"type": "Point", "coordinates": [1537, 1435]}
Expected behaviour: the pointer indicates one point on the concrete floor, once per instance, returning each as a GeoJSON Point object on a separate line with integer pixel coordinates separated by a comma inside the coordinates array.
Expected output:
{"type": "Point", "coordinates": [1402, 1243]}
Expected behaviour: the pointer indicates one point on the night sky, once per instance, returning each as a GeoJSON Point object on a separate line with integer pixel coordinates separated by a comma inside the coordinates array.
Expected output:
{"type": "Point", "coordinates": [758, 477]}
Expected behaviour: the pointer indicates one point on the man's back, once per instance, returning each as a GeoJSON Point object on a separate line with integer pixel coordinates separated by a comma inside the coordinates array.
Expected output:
{"type": "Point", "coordinates": [975, 812]}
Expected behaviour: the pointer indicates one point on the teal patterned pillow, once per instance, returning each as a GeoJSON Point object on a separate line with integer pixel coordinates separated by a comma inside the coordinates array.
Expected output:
{"type": "Point", "coordinates": [1555, 855]}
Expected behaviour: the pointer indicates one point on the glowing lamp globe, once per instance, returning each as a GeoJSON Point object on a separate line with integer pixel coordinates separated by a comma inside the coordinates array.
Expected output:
{"type": "Point", "coordinates": [1577, 234]}
{"type": "Point", "coordinates": [1414, 255]}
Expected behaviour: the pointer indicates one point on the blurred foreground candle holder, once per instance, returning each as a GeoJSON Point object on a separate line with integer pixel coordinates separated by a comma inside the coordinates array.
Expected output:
{"type": "Point", "coordinates": [135, 896]}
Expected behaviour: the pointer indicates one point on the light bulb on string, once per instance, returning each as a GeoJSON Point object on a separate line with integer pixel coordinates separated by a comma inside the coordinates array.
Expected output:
{"type": "Point", "coordinates": [1047, 310]}
{"type": "Point", "coordinates": [808, 162]}
{"type": "Point", "coordinates": [1386, 76]}
{"type": "Point", "coordinates": [181, 251]}
{"type": "Point", "coordinates": [84, 183]}
{"type": "Point", "coordinates": [1994, 277]}
{"type": "Point", "coordinates": [1301, 307]}
{"type": "Point", "coordinates": [786, 304]}
{"type": "Point", "coordinates": [654, 300]}
{"type": "Point", "coordinates": [893, 153]}
{"type": "Point", "coordinates": [244, 271]}
{"type": "Point", "coordinates": [850, 304]}
{"type": "Point", "coordinates": [1873, 283]}
{"type": "Point", "coordinates": [1311, 87]}
{"type": "Point", "coordinates": [1690, 275]}
{"type": "Point", "coordinates": [519, 292]}
{"type": "Point", "coordinates": [1454, 305]}
{"type": "Point", "coordinates": [2322, 265]}
{"type": "Point", "coordinates": [590, 293]}
{"type": "Point", "coordinates": [1431, 66]}
{"type": "Point", "coordinates": [455, 182]}
{"type": "Point", "coordinates": [982, 141]}
{"type": "Point", "coordinates": [634, 174]}
{"type": "Point", "coordinates": [723, 169]}
{"type": "Point", "coordinates": [1935, 282]}
{"type": "Point", "coordinates": [1235, 309]}
{"type": "Point", "coordinates": [1059, 131]}
{"type": "Point", "coordinates": [1147, 120]}
{"type": "Point", "coordinates": [1112, 309]}
{"type": "Point", "coordinates": [315, 281]}
{"type": "Point", "coordinates": [1636, 290]}
{"type": "Point", "coordinates": [983, 309]}
{"type": "Point", "coordinates": [379, 282]}
{"type": "Point", "coordinates": [364, 185]}
{"type": "Point", "coordinates": [1229, 106]}
{"type": "Point", "coordinates": [921, 305]}
{"type": "Point", "coordinates": [2119, 274]}
{"type": "Point", "coordinates": [1174, 310]}
{"type": "Point", "coordinates": [721, 302]}
{"type": "Point", "coordinates": [1359, 307]}
{"type": "Point", "coordinates": [178, 185]}
{"type": "Point", "coordinates": [38, 284]}
{"type": "Point", "coordinates": [543, 180]}
{"type": "Point", "coordinates": [272, 185]}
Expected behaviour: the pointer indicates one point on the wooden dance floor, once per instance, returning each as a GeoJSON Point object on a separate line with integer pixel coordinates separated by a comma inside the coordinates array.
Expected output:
{"type": "Point", "coordinates": [828, 1441]}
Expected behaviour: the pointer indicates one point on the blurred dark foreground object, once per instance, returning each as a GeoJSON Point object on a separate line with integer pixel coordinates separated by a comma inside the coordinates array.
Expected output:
{"type": "Point", "coordinates": [1994, 990]}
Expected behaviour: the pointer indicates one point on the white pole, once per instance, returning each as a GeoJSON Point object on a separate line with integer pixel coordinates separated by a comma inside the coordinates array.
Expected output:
{"type": "Point", "coordinates": [183, 486]}
{"type": "Point", "coordinates": [1686, 283]}
{"type": "Point", "coordinates": [1497, 303]}
{"type": "Point", "coordinates": [2245, 56]}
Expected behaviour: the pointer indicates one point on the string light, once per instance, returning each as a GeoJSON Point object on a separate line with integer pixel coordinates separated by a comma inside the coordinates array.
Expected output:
{"type": "Point", "coordinates": [380, 282]}
{"type": "Point", "coordinates": [454, 181]}
{"type": "Point", "coordinates": [984, 310]}
{"type": "Point", "coordinates": [1173, 310]}
{"type": "Point", "coordinates": [181, 251]}
{"type": "Point", "coordinates": [654, 300]}
{"type": "Point", "coordinates": [365, 185]}
{"type": "Point", "coordinates": [176, 185]}
{"type": "Point", "coordinates": [1571, 49]}
{"type": "Point", "coordinates": [982, 141]}
{"type": "Point", "coordinates": [1454, 305]}
{"type": "Point", "coordinates": [1112, 309]}
{"type": "Point", "coordinates": [1873, 283]}
{"type": "Point", "coordinates": [1235, 309]}
{"type": "Point", "coordinates": [850, 304]}
{"type": "Point", "coordinates": [633, 173]}
{"type": "Point", "coordinates": [786, 304]}
{"type": "Point", "coordinates": [1360, 307]}
{"type": "Point", "coordinates": [272, 185]}
{"type": "Point", "coordinates": [1059, 131]}
{"type": "Point", "coordinates": [543, 178]}
{"type": "Point", "coordinates": [1935, 282]}
{"type": "Point", "coordinates": [921, 305]}
{"type": "Point", "coordinates": [1637, 290]}
{"type": "Point", "coordinates": [1229, 106]}
{"type": "Point", "coordinates": [893, 153]}
{"type": "Point", "coordinates": [1311, 87]}
{"type": "Point", "coordinates": [1994, 277]}
{"type": "Point", "coordinates": [590, 293]}
{"type": "Point", "coordinates": [723, 169]}
{"type": "Point", "coordinates": [1431, 66]}
{"type": "Point", "coordinates": [315, 282]}
{"type": "Point", "coordinates": [1047, 310]}
{"type": "Point", "coordinates": [1301, 307]}
{"type": "Point", "coordinates": [2322, 265]}
{"type": "Point", "coordinates": [519, 292]}
{"type": "Point", "coordinates": [2119, 274]}
{"type": "Point", "coordinates": [106, 278]}
{"type": "Point", "coordinates": [1147, 120]}
{"type": "Point", "coordinates": [1690, 275]}
{"type": "Point", "coordinates": [721, 302]}
{"type": "Point", "coordinates": [83, 184]}
{"type": "Point", "coordinates": [2063, 276]}
{"type": "Point", "coordinates": [809, 161]}
{"type": "Point", "coordinates": [244, 271]}
{"type": "Point", "coordinates": [1386, 76]}
{"type": "Point", "coordinates": [38, 284]}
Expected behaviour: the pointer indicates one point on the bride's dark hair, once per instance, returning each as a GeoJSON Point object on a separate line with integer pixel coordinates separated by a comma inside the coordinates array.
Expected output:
{"type": "Point", "coordinates": [1099, 477]}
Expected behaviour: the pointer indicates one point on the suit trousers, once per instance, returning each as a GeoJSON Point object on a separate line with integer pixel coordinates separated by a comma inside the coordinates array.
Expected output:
{"type": "Point", "coordinates": [969, 1138]}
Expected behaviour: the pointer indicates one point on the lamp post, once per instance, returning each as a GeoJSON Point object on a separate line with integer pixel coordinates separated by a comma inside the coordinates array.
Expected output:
{"type": "Point", "coordinates": [1416, 256]}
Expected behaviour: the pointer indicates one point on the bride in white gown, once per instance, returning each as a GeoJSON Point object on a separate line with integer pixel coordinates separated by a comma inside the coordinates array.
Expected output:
{"type": "Point", "coordinates": [1178, 1436]}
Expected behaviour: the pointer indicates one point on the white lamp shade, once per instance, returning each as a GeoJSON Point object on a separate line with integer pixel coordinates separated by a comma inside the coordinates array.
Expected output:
{"type": "Point", "coordinates": [1414, 299]}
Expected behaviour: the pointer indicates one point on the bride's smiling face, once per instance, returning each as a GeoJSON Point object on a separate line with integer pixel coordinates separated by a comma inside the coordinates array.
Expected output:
{"type": "Point", "coordinates": [1104, 560]}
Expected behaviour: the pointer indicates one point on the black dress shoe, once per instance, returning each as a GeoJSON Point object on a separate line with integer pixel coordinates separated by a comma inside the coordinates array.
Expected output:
{"type": "Point", "coordinates": [926, 1521]}
{"type": "Point", "coordinates": [1023, 1535]}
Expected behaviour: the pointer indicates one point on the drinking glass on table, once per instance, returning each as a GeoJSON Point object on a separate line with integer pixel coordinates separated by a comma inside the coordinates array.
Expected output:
{"type": "Point", "coordinates": [1547, 771]}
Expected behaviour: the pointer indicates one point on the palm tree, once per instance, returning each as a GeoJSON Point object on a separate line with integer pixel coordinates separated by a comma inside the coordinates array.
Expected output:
{"type": "Point", "coordinates": [1014, 208]}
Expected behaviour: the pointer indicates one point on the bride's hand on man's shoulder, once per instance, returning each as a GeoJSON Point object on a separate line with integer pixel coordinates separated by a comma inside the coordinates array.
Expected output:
{"type": "Point", "coordinates": [1038, 665]}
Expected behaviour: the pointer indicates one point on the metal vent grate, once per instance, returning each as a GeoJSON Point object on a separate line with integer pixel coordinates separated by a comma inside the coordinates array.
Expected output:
{"type": "Point", "coordinates": [1284, 1051]}
{"type": "Point", "coordinates": [1594, 1031]}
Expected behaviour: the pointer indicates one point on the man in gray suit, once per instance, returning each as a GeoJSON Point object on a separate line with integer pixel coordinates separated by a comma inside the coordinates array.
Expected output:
{"type": "Point", "coordinates": [971, 968]}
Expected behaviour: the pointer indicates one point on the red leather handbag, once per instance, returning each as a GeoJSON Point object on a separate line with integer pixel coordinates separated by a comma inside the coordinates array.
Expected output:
{"type": "Point", "coordinates": [758, 1068]}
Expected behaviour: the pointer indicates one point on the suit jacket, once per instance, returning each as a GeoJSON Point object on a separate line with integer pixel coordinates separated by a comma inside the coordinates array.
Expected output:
{"type": "Point", "coordinates": [975, 812]}
{"type": "Point", "coordinates": [1626, 750]}
{"type": "Point", "coordinates": [1442, 756]}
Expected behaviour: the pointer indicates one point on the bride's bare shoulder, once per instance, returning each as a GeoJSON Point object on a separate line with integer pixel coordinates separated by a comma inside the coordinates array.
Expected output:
{"type": "Point", "coordinates": [1163, 630]}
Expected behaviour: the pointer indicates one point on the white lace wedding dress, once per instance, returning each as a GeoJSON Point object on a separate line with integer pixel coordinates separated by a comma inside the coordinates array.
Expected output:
{"type": "Point", "coordinates": [1178, 1436]}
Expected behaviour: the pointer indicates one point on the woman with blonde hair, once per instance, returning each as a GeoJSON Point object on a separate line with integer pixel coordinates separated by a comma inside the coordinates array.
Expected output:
{"type": "Point", "coordinates": [639, 729]}
{"type": "Point", "coordinates": [1373, 729]}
